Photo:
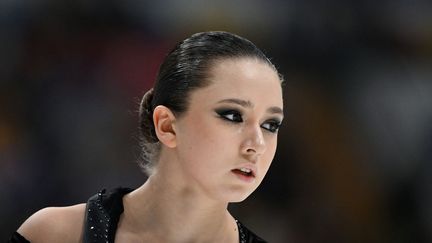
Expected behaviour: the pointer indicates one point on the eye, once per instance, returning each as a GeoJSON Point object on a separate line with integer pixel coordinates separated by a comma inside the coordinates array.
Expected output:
{"type": "Point", "coordinates": [271, 126]}
{"type": "Point", "coordinates": [230, 115]}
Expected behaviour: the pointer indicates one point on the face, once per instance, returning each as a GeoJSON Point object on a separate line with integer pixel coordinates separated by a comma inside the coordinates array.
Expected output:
{"type": "Point", "coordinates": [227, 138]}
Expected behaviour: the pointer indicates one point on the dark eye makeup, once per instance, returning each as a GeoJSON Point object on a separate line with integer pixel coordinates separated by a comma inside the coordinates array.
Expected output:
{"type": "Point", "coordinates": [272, 125]}
{"type": "Point", "coordinates": [233, 115]}
{"type": "Point", "coordinates": [230, 115]}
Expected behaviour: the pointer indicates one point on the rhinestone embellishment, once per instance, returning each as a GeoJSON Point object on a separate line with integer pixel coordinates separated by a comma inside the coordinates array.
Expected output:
{"type": "Point", "coordinates": [98, 226]}
{"type": "Point", "coordinates": [242, 235]}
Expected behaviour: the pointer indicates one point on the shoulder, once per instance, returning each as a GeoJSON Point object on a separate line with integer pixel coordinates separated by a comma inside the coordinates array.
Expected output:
{"type": "Point", "coordinates": [55, 224]}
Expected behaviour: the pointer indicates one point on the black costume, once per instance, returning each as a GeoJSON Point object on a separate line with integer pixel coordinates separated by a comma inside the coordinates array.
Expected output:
{"type": "Point", "coordinates": [103, 211]}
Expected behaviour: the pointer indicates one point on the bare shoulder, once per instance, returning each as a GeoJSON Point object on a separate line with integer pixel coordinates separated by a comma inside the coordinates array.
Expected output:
{"type": "Point", "coordinates": [55, 224]}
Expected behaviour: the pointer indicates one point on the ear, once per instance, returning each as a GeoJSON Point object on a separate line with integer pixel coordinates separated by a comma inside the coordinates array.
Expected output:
{"type": "Point", "coordinates": [163, 120]}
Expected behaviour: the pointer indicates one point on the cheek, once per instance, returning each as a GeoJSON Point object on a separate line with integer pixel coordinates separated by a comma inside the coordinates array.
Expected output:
{"type": "Point", "coordinates": [270, 152]}
{"type": "Point", "coordinates": [204, 140]}
{"type": "Point", "coordinates": [210, 133]}
{"type": "Point", "coordinates": [200, 134]}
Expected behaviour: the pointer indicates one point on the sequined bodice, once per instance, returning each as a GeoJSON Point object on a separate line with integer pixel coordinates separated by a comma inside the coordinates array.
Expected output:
{"type": "Point", "coordinates": [103, 211]}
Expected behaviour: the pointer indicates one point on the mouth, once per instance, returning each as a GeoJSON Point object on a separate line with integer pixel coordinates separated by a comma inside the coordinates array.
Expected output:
{"type": "Point", "coordinates": [246, 174]}
{"type": "Point", "coordinates": [244, 171]}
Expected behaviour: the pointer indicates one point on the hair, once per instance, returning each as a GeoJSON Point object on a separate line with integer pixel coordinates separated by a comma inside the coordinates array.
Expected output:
{"type": "Point", "coordinates": [184, 70]}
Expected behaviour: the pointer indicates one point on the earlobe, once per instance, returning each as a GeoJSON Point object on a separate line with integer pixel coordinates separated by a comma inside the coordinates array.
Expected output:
{"type": "Point", "coordinates": [164, 119]}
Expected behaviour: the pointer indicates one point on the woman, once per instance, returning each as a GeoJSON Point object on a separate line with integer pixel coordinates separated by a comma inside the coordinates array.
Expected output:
{"type": "Point", "coordinates": [209, 133]}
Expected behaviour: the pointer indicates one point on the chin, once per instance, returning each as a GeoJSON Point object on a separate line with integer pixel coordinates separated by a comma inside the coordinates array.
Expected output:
{"type": "Point", "coordinates": [237, 196]}
{"type": "Point", "coordinates": [237, 200]}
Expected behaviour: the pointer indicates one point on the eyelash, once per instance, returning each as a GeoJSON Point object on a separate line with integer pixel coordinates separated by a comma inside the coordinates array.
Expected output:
{"type": "Point", "coordinates": [237, 118]}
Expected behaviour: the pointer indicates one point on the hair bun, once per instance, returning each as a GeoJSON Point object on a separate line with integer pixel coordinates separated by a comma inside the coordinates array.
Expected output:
{"type": "Point", "coordinates": [146, 118]}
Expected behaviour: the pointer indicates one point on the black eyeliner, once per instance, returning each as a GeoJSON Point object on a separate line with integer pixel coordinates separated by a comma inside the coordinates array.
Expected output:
{"type": "Point", "coordinates": [224, 112]}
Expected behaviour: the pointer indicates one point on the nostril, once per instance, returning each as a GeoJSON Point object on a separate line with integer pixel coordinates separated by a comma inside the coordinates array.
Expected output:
{"type": "Point", "coordinates": [250, 150]}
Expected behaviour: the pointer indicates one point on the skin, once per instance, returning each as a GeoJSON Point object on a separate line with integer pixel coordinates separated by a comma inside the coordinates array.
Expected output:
{"type": "Point", "coordinates": [229, 124]}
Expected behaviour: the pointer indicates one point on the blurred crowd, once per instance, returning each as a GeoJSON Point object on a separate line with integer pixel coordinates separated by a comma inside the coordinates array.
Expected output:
{"type": "Point", "coordinates": [355, 150]}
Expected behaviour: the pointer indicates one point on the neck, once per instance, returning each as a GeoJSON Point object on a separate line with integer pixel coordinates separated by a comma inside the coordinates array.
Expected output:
{"type": "Point", "coordinates": [168, 210]}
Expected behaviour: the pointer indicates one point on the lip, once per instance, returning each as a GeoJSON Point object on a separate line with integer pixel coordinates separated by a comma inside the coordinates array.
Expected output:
{"type": "Point", "coordinates": [251, 167]}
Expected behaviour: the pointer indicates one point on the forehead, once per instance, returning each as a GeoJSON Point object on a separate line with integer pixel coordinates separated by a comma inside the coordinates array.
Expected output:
{"type": "Point", "coordinates": [243, 78]}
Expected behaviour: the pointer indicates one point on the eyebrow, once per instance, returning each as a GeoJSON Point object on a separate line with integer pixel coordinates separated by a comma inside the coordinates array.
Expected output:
{"type": "Point", "coordinates": [248, 104]}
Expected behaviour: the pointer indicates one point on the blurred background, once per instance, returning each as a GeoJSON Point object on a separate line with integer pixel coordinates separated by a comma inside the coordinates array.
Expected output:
{"type": "Point", "coordinates": [355, 150]}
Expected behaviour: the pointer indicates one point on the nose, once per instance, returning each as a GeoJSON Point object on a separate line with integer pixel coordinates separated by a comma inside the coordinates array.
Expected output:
{"type": "Point", "coordinates": [254, 143]}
